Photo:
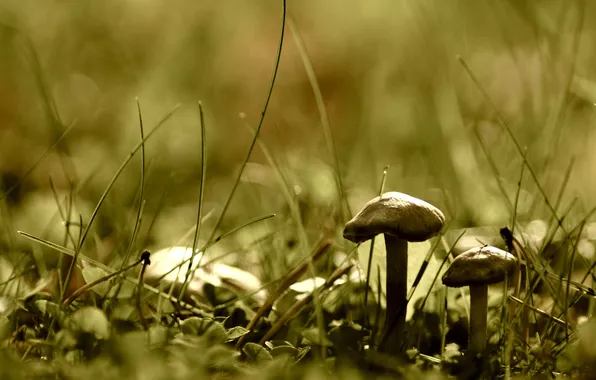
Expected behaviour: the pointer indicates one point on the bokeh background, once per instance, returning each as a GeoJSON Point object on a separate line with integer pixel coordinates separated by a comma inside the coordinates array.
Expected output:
{"type": "Point", "coordinates": [394, 91]}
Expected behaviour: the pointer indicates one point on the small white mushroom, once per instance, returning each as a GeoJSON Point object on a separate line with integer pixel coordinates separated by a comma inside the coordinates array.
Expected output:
{"type": "Point", "coordinates": [478, 268]}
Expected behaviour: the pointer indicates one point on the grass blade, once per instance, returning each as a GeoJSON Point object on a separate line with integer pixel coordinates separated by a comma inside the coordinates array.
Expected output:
{"type": "Point", "coordinates": [324, 116]}
{"type": "Point", "coordinates": [259, 125]}
{"type": "Point", "coordinates": [109, 187]}
{"type": "Point", "coordinates": [371, 251]}
{"type": "Point", "coordinates": [189, 271]}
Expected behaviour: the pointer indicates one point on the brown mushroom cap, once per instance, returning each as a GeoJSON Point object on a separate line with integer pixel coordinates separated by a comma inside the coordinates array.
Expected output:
{"type": "Point", "coordinates": [484, 265]}
{"type": "Point", "coordinates": [395, 214]}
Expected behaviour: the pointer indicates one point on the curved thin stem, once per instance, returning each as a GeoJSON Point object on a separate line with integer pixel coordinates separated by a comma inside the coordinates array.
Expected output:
{"type": "Point", "coordinates": [259, 125]}
{"type": "Point", "coordinates": [370, 254]}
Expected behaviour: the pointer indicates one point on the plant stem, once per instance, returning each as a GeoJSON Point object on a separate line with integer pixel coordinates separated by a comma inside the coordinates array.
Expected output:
{"type": "Point", "coordinates": [76, 294]}
{"type": "Point", "coordinates": [478, 307]}
{"type": "Point", "coordinates": [145, 261]}
{"type": "Point", "coordinates": [288, 280]}
{"type": "Point", "coordinates": [396, 293]}
{"type": "Point", "coordinates": [295, 308]}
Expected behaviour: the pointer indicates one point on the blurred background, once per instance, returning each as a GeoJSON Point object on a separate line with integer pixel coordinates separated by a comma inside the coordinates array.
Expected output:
{"type": "Point", "coordinates": [391, 82]}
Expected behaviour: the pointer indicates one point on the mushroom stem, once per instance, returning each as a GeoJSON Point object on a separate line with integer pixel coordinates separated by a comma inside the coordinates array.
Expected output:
{"type": "Point", "coordinates": [396, 293]}
{"type": "Point", "coordinates": [478, 310]}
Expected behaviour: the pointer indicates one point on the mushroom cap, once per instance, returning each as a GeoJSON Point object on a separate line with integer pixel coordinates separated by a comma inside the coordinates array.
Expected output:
{"type": "Point", "coordinates": [484, 265]}
{"type": "Point", "coordinates": [395, 214]}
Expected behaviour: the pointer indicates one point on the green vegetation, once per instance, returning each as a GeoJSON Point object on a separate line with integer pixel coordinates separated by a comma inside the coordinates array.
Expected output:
{"type": "Point", "coordinates": [176, 178]}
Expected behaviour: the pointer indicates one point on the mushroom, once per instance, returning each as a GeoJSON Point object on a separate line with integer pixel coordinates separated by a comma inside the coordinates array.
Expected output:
{"type": "Point", "coordinates": [401, 219]}
{"type": "Point", "coordinates": [477, 268]}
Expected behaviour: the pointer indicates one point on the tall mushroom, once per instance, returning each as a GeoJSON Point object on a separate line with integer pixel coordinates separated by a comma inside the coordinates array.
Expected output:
{"type": "Point", "coordinates": [401, 219]}
{"type": "Point", "coordinates": [477, 268]}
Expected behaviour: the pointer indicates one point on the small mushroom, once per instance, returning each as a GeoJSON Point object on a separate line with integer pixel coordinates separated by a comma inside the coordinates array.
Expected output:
{"type": "Point", "coordinates": [477, 268]}
{"type": "Point", "coordinates": [400, 218]}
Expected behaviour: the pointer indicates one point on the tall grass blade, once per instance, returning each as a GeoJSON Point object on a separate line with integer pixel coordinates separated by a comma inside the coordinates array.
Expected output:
{"type": "Point", "coordinates": [324, 116]}
{"type": "Point", "coordinates": [259, 125]}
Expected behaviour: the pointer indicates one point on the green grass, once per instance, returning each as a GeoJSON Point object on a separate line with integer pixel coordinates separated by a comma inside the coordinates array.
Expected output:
{"type": "Point", "coordinates": [260, 129]}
